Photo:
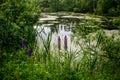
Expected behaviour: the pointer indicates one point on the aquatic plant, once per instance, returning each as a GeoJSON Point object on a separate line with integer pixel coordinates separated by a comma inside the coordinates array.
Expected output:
{"type": "Point", "coordinates": [59, 43]}
{"type": "Point", "coordinates": [65, 43]}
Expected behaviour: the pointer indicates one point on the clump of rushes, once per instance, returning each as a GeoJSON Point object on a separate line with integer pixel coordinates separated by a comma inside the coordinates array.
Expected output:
{"type": "Point", "coordinates": [23, 43]}
{"type": "Point", "coordinates": [29, 52]}
{"type": "Point", "coordinates": [59, 43]}
{"type": "Point", "coordinates": [65, 42]}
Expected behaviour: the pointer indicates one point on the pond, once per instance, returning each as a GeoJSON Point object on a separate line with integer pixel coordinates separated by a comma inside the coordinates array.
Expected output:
{"type": "Point", "coordinates": [61, 25]}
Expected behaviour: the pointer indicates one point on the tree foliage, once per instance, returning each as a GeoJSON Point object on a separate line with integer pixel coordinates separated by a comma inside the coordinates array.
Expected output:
{"type": "Point", "coordinates": [102, 7]}
{"type": "Point", "coordinates": [17, 18]}
{"type": "Point", "coordinates": [109, 7]}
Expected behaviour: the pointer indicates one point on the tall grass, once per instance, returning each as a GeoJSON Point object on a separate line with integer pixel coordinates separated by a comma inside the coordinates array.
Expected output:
{"type": "Point", "coordinates": [92, 62]}
{"type": "Point", "coordinates": [71, 66]}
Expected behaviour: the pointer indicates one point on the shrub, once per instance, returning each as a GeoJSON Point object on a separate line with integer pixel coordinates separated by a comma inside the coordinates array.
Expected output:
{"type": "Point", "coordinates": [76, 10]}
{"type": "Point", "coordinates": [116, 23]}
{"type": "Point", "coordinates": [16, 23]}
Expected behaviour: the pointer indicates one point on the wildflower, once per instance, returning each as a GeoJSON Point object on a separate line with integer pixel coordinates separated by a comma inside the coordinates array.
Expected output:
{"type": "Point", "coordinates": [65, 42]}
{"type": "Point", "coordinates": [59, 43]}
{"type": "Point", "coordinates": [23, 43]}
{"type": "Point", "coordinates": [29, 52]}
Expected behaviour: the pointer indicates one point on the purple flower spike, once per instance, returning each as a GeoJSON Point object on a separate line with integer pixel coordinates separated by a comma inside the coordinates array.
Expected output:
{"type": "Point", "coordinates": [65, 42]}
{"type": "Point", "coordinates": [23, 43]}
{"type": "Point", "coordinates": [29, 52]}
{"type": "Point", "coordinates": [59, 43]}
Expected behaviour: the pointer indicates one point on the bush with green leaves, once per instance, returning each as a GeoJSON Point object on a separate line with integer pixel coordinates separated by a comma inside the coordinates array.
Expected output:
{"type": "Point", "coordinates": [76, 10]}
{"type": "Point", "coordinates": [17, 18]}
{"type": "Point", "coordinates": [116, 23]}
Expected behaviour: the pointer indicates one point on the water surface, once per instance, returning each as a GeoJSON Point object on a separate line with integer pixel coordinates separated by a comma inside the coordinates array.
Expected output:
{"type": "Point", "coordinates": [61, 25]}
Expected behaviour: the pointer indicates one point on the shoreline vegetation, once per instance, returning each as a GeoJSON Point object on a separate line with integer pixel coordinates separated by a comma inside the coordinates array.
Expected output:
{"type": "Point", "coordinates": [21, 58]}
{"type": "Point", "coordinates": [100, 7]}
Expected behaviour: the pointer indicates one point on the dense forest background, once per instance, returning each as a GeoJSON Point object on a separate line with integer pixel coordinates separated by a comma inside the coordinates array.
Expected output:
{"type": "Point", "coordinates": [101, 7]}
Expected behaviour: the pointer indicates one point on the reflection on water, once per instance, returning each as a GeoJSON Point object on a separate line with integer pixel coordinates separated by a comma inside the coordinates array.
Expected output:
{"type": "Point", "coordinates": [60, 27]}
